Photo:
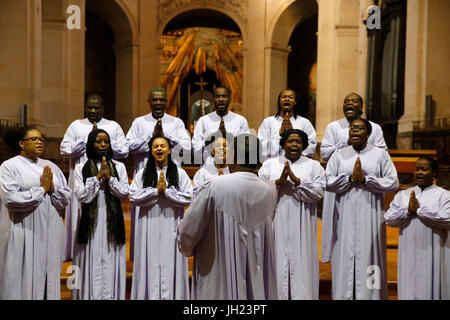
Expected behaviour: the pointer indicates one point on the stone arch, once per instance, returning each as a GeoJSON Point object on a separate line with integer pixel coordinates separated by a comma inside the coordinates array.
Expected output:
{"type": "Point", "coordinates": [229, 13]}
{"type": "Point", "coordinates": [118, 16]}
{"type": "Point", "coordinates": [222, 19]}
{"type": "Point", "coordinates": [286, 18]}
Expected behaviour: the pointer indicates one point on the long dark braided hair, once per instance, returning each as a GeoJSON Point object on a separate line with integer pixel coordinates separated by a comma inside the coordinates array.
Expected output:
{"type": "Point", "coordinates": [150, 176]}
{"type": "Point", "coordinates": [89, 211]}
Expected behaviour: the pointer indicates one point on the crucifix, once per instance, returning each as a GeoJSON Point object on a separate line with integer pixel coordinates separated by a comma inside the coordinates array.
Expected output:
{"type": "Point", "coordinates": [202, 107]}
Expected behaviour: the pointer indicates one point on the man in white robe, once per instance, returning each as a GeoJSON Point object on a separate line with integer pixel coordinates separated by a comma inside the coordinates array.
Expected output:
{"type": "Point", "coordinates": [73, 146]}
{"type": "Point", "coordinates": [222, 119]}
{"type": "Point", "coordinates": [272, 127]}
{"type": "Point", "coordinates": [335, 138]}
{"type": "Point", "coordinates": [144, 128]}
{"type": "Point", "coordinates": [228, 229]}
{"type": "Point", "coordinates": [359, 175]}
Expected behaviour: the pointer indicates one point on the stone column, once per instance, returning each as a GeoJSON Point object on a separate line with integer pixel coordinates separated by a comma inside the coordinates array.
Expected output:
{"type": "Point", "coordinates": [20, 49]}
{"type": "Point", "coordinates": [126, 83]}
{"type": "Point", "coordinates": [337, 59]}
{"type": "Point", "coordinates": [415, 70]}
{"type": "Point", "coordinates": [149, 63]}
{"type": "Point", "coordinates": [254, 66]}
{"type": "Point", "coordinates": [74, 70]}
{"type": "Point", "coordinates": [276, 67]}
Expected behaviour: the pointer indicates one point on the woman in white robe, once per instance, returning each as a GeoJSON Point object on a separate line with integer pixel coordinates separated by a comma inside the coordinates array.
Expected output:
{"type": "Point", "coordinates": [160, 191]}
{"type": "Point", "coordinates": [217, 164]}
{"type": "Point", "coordinates": [423, 215]}
{"type": "Point", "coordinates": [336, 138]}
{"type": "Point", "coordinates": [100, 251]}
{"type": "Point", "coordinates": [359, 175]}
{"type": "Point", "coordinates": [301, 183]}
{"type": "Point", "coordinates": [73, 146]}
{"type": "Point", "coordinates": [269, 133]}
{"type": "Point", "coordinates": [32, 236]}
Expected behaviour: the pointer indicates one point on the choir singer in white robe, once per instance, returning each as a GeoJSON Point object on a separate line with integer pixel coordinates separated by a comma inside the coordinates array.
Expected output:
{"type": "Point", "coordinates": [34, 193]}
{"type": "Point", "coordinates": [423, 215]}
{"type": "Point", "coordinates": [228, 229]}
{"type": "Point", "coordinates": [73, 146]}
{"type": "Point", "coordinates": [359, 175]}
{"type": "Point", "coordinates": [160, 191]}
{"type": "Point", "coordinates": [301, 183]}
{"type": "Point", "coordinates": [157, 122]}
{"type": "Point", "coordinates": [217, 164]}
{"type": "Point", "coordinates": [221, 119]}
{"type": "Point", "coordinates": [100, 252]}
{"type": "Point", "coordinates": [287, 117]}
{"type": "Point", "coordinates": [336, 138]}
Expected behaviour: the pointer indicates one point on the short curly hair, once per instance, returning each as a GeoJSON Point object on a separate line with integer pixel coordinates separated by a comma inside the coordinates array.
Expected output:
{"type": "Point", "coordinates": [288, 132]}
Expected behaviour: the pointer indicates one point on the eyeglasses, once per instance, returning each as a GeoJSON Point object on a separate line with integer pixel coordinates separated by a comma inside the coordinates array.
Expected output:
{"type": "Point", "coordinates": [35, 139]}
{"type": "Point", "coordinates": [360, 127]}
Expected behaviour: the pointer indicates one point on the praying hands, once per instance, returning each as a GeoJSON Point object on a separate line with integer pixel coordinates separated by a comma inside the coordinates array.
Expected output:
{"type": "Point", "coordinates": [287, 172]}
{"type": "Point", "coordinates": [358, 175]}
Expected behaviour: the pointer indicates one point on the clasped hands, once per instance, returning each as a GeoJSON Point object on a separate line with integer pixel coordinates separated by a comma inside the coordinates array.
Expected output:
{"type": "Point", "coordinates": [158, 130]}
{"type": "Point", "coordinates": [413, 205]}
{"type": "Point", "coordinates": [358, 175]}
{"type": "Point", "coordinates": [286, 124]}
{"type": "Point", "coordinates": [47, 180]}
{"type": "Point", "coordinates": [287, 172]}
{"type": "Point", "coordinates": [103, 173]}
{"type": "Point", "coordinates": [161, 185]}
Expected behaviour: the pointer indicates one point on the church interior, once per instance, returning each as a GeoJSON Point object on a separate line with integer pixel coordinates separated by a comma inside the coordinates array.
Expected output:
{"type": "Point", "coordinates": [321, 49]}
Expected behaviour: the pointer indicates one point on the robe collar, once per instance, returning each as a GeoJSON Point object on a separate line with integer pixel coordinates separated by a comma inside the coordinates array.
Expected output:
{"type": "Point", "coordinates": [419, 190]}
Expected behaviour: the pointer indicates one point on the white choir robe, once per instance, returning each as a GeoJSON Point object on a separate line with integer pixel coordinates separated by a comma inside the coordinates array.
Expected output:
{"type": "Point", "coordinates": [138, 137]}
{"type": "Point", "coordinates": [209, 123]}
{"type": "Point", "coordinates": [228, 228]}
{"type": "Point", "coordinates": [32, 233]}
{"type": "Point", "coordinates": [359, 231]}
{"type": "Point", "coordinates": [206, 173]}
{"type": "Point", "coordinates": [73, 146]}
{"type": "Point", "coordinates": [269, 135]}
{"type": "Point", "coordinates": [160, 271]}
{"type": "Point", "coordinates": [335, 138]}
{"type": "Point", "coordinates": [295, 227]}
{"type": "Point", "coordinates": [102, 266]}
{"type": "Point", "coordinates": [424, 246]}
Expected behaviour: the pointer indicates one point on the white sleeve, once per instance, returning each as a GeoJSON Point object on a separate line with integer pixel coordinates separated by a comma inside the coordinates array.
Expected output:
{"type": "Point", "coordinates": [312, 188]}
{"type": "Point", "coordinates": [71, 147]}
{"type": "Point", "coordinates": [137, 142]}
{"type": "Point", "coordinates": [397, 214]}
{"type": "Point", "coordinates": [13, 196]}
{"type": "Point", "coordinates": [85, 191]}
{"type": "Point", "coordinates": [309, 130]}
{"type": "Point", "coordinates": [388, 180]}
{"type": "Point", "coordinates": [198, 140]}
{"type": "Point", "coordinates": [190, 230]}
{"type": "Point", "coordinates": [183, 196]}
{"type": "Point", "coordinates": [140, 196]}
{"type": "Point", "coordinates": [119, 185]}
{"type": "Point", "coordinates": [336, 182]}
{"type": "Point", "coordinates": [119, 144]}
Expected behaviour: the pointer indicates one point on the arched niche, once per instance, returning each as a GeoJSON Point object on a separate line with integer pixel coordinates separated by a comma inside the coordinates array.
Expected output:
{"type": "Point", "coordinates": [203, 17]}
{"type": "Point", "coordinates": [277, 48]}
{"type": "Point", "coordinates": [116, 15]}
